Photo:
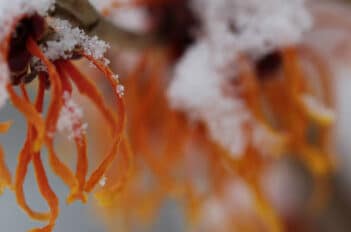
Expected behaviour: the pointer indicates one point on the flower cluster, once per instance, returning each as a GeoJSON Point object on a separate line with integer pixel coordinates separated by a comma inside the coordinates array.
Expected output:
{"type": "Point", "coordinates": [237, 99]}
{"type": "Point", "coordinates": [37, 47]}
{"type": "Point", "coordinates": [227, 94]}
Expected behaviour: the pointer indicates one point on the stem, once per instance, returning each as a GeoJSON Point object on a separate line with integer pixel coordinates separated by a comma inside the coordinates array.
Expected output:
{"type": "Point", "coordinates": [82, 14]}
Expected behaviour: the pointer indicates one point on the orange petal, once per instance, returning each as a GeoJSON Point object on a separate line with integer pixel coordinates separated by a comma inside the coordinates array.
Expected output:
{"type": "Point", "coordinates": [112, 153]}
{"type": "Point", "coordinates": [21, 172]}
{"type": "Point", "coordinates": [46, 192]}
{"type": "Point", "coordinates": [106, 196]}
{"type": "Point", "coordinates": [90, 90]}
{"type": "Point", "coordinates": [31, 114]}
{"type": "Point", "coordinates": [5, 175]}
{"type": "Point", "coordinates": [56, 87]}
{"type": "Point", "coordinates": [81, 171]}
{"type": "Point", "coordinates": [59, 168]}
{"type": "Point", "coordinates": [5, 126]}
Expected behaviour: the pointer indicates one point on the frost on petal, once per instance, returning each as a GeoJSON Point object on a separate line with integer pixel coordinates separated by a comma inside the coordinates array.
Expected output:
{"type": "Point", "coordinates": [252, 27]}
{"type": "Point", "coordinates": [120, 90]}
{"type": "Point", "coordinates": [197, 89]}
{"type": "Point", "coordinates": [11, 10]}
{"type": "Point", "coordinates": [317, 110]}
{"type": "Point", "coordinates": [103, 181]}
{"type": "Point", "coordinates": [68, 38]}
{"type": "Point", "coordinates": [70, 119]}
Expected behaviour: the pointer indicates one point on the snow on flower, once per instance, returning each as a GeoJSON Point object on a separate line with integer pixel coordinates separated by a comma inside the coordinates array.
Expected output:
{"type": "Point", "coordinates": [21, 50]}
{"type": "Point", "coordinates": [120, 90]}
{"type": "Point", "coordinates": [197, 89]}
{"type": "Point", "coordinates": [11, 10]}
{"type": "Point", "coordinates": [102, 181]}
{"type": "Point", "coordinates": [252, 27]}
{"type": "Point", "coordinates": [233, 30]}
{"type": "Point", "coordinates": [70, 119]}
{"type": "Point", "coordinates": [68, 39]}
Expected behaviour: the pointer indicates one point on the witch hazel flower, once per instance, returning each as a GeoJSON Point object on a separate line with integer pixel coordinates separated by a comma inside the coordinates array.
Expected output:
{"type": "Point", "coordinates": [31, 55]}
{"type": "Point", "coordinates": [231, 78]}
{"type": "Point", "coordinates": [198, 90]}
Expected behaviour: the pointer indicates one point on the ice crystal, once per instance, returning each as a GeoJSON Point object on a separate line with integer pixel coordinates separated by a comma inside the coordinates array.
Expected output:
{"type": "Point", "coordinates": [120, 90]}
{"type": "Point", "coordinates": [103, 181]}
{"type": "Point", "coordinates": [68, 38]}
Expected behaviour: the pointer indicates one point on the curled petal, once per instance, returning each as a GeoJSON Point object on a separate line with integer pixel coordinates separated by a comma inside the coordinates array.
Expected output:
{"type": "Point", "coordinates": [5, 175]}
{"type": "Point", "coordinates": [116, 124]}
{"type": "Point", "coordinates": [46, 191]}
{"type": "Point", "coordinates": [31, 114]}
{"type": "Point", "coordinates": [106, 196]}
{"type": "Point", "coordinates": [81, 170]}
{"type": "Point", "coordinates": [88, 88]}
{"type": "Point", "coordinates": [21, 172]}
{"type": "Point", "coordinates": [55, 106]}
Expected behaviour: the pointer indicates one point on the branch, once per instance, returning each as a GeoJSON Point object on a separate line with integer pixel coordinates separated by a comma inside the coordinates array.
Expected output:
{"type": "Point", "coordinates": [82, 14]}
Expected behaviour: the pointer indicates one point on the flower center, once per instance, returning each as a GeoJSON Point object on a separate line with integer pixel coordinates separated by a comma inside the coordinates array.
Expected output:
{"type": "Point", "coordinates": [19, 58]}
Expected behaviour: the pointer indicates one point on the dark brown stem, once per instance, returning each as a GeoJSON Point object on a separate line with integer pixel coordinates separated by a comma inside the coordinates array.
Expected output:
{"type": "Point", "coordinates": [82, 14]}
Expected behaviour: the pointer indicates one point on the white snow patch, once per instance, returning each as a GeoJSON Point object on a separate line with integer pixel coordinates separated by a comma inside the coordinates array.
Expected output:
{"type": "Point", "coordinates": [251, 27]}
{"type": "Point", "coordinates": [102, 181]}
{"type": "Point", "coordinates": [10, 11]}
{"type": "Point", "coordinates": [120, 90]}
{"type": "Point", "coordinates": [69, 38]}
{"type": "Point", "coordinates": [318, 108]}
{"type": "Point", "coordinates": [70, 119]}
{"type": "Point", "coordinates": [197, 89]}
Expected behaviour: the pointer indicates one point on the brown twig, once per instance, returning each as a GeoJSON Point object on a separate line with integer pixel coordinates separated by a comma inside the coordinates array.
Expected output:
{"type": "Point", "coordinates": [82, 14]}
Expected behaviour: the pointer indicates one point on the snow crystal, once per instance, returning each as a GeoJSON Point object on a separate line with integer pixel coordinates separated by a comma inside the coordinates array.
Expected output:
{"type": "Point", "coordinates": [120, 90]}
{"type": "Point", "coordinates": [103, 181]}
{"type": "Point", "coordinates": [317, 108]}
{"type": "Point", "coordinates": [197, 89]}
{"type": "Point", "coordinates": [11, 10]}
{"type": "Point", "coordinates": [116, 77]}
{"type": "Point", "coordinates": [69, 38]}
{"type": "Point", "coordinates": [251, 27]}
{"type": "Point", "coordinates": [70, 119]}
